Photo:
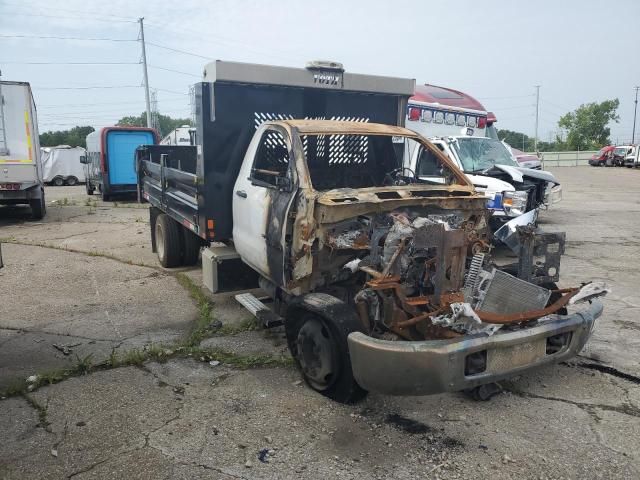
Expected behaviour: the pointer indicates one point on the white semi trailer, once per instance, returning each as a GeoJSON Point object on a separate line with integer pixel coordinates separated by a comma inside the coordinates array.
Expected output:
{"type": "Point", "coordinates": [21, 179]}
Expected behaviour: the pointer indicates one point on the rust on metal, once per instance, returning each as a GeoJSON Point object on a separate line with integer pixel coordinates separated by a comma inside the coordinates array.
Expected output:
{"type": "Point", "coordinates": [490, 317]}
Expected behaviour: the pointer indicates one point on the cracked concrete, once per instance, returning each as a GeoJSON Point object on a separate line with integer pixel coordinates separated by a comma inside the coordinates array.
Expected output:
{"type": "Point", "coordinates": [93, 304]}
{"type": "Point", "coordinates": [186, 419]}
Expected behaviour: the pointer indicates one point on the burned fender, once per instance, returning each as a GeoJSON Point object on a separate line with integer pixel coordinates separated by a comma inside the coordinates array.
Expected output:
{"type": "Point", "coordinates": [326, 306]}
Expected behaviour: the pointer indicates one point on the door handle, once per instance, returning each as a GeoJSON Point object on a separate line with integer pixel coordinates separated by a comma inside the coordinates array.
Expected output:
{"type": "Point", "coordinates": [241, 193]}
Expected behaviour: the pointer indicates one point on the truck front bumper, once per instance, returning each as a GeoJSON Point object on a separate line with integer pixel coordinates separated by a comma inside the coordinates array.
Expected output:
{"type": "Point", "coordinates": [437, 366]}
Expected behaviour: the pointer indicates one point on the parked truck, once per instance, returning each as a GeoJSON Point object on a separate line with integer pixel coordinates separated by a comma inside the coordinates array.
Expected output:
{"type": "Point", "coordinates": [109, 165]}
{"type": "Point", "coordinates": [183, 135]}
{"type": "Point", "coordinates": [460, 126]}
{"type": "Point", "coordinates": [368, 267]}
{"type": "Point", "coordinates": [61, 165]}
{"type": "Point", "coordinates": [21, 179]}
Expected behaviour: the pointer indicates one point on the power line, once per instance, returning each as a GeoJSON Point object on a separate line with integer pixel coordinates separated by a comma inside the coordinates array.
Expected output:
{"type": "Point", "coordinates": [179, 51]}
{"type": "Point", "coordinates": [54, 37]}
{"type": "Point", "coordinates": [514, 107]}
{"type": "Point", "coordinates": [131, 102]}
{"type": "Point", "coordinates": [95, 19]}
{"type": "Point", "coordinates": [171, 70]}
{"type": "Point", "coordinates": [85, 88]}
{"type": "Point", "coordinates": [100, 113]}
{"type": "Point", "coordinates": [500, 98]}
{"type": "Point", "coordinates": [224, 42]}
{"type": "Point", "coordinates": [171, 91]}
{"type": "Point", "coordinates": [70, 63]}
{"type": "Point", "coordinates": [57, 9]}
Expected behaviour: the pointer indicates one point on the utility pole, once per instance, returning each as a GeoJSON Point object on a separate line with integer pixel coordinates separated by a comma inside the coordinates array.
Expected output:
{"type": "Point", "coordinates": [535, 140]}
{"type": "Point", "coordinates": [144, 71]}
{"type": "Point", "coordinates": [635, 112]}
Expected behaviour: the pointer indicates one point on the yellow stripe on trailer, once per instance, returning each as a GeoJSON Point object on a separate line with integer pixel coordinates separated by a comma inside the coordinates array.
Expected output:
{"type": "Point", "coordinates": [26, 125]}
{"type": "Point", "coordinates": [12, 160]}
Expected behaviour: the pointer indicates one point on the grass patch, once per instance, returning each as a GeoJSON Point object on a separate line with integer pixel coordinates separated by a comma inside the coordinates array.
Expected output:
{"type": "Point", "coordinates": [137, 357]}
{"type": "Point", "coordinates": [41, 409]}
{"type": "Point", "coordinates": [200, 328]}
{"type": "Point", "coordinates": [242, 362]}
{"type": "Point", "coordinates": [247, 325]}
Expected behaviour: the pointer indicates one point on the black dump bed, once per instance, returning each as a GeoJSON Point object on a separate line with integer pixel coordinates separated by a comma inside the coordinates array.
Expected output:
{"type": "Point", "coordinates": [232, 102]}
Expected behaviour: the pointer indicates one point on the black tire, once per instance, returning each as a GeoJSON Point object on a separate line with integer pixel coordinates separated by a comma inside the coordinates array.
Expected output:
{"type": "Point", "coordinates": [71, 181]}
{"type": "Point", "coordinates": [319, 346]}
{"type": "Point", "coordinates": [38, 207]}
{"type": "Point", "coordinates": [190, 248]}
{"type": "Point", "coordinates": [89, 187]}
{"type": "Point", "coordinates": [168, 242]}
{"type": "Point", "coordinates": [58, 181]}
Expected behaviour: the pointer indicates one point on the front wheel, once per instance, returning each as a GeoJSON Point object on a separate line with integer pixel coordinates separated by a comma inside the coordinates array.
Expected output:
{"type": "Point", "coordinates": [319, 347]}
{"type": "Point", "coordinates": [71, 181]}
{"type": "Point", "coordinates": [58, 181]}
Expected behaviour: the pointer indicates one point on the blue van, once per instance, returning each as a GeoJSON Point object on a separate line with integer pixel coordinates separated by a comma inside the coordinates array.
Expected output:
{"type": "Point", "coordinates": [110, 160]}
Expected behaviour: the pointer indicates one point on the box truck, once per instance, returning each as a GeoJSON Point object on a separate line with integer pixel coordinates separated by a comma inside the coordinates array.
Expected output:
{"type": "Point", "coordinates": [109, 164]}
{"type": "Point", "coordinates": [21, 179]}
{"type": "Point", "coordinates": [183, 135]}
{"type": "Point", "coordinates": [368, 267]}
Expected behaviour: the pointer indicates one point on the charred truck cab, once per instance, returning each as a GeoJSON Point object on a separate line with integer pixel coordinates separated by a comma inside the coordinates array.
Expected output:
{"type": "Point", "coordinates": [382, 279]}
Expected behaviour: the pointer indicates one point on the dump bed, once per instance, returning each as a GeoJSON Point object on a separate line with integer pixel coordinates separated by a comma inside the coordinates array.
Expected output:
{"type": "Point", "coordinates": [231, 103]}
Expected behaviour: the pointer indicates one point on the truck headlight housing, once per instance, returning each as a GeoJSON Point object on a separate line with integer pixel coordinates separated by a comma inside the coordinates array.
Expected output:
{"type": "Point", "coordinates": [552, 194]}
{"type": "Point", "coordinates": [514, 203]}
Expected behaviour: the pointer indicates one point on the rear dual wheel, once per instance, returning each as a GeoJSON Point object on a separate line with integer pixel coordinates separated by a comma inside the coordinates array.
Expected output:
{"type": "Point", "coordinates": [175, 245]}
{"type": "Point", "coordinates": [38, 207]}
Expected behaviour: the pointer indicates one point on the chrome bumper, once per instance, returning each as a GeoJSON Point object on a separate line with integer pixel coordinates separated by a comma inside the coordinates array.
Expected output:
{"type": "Point", "coordinates": [436, 366]}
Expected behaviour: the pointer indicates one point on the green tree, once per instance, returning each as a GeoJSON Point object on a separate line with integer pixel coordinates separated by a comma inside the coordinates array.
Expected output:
{"type": "Point", "coordinates": [586, 126]}
{"type": "Point", "coordinates": [75, 137]}
{"type": "Point", "coordinates": [165, 122]}
{"type": "Point", "coordinates": [517, 139]}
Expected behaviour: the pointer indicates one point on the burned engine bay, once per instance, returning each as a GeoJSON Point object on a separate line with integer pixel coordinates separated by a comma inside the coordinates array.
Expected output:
{"type": "Point", "coordinates": [413, 275]}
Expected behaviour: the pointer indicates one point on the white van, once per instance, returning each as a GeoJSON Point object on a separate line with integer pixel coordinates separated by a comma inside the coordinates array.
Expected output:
{"type": "Point", "coordinates": [20, 166]}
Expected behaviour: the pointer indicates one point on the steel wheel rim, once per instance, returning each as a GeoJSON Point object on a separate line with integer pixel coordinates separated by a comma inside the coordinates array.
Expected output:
{"type": "Point", "coordinates": [316, 354]}
{"type": "Point", "coordinates": [159, 241]}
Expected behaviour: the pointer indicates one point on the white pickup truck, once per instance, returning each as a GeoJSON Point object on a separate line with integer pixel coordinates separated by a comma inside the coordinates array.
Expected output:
{"type": "Point", "coordinates": [21, 179]}
{"type": "Point", "coordinates": [511, 190]}
{"type": "Point", "coordinates": [368, 268]}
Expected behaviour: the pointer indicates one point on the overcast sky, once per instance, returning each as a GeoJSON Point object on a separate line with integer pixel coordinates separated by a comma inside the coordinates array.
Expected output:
{"type": "Point", "coordinates": [578, 51]}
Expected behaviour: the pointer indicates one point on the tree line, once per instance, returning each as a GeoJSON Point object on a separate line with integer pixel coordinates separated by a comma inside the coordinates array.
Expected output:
{"type": "Point", "coordinates": [76, 136]}
{"type": "Point", "coordinates": [585, 128]}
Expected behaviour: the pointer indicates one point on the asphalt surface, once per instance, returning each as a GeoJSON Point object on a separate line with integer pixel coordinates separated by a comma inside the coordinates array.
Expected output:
{"type": "Point", "coordinates": [86, 276]}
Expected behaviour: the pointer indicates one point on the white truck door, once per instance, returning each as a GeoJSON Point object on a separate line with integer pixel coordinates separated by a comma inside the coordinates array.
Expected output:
{"type": "Point", "coordinates": [427, 165]}
{"type": "Point", "coordinates": [262, 195]}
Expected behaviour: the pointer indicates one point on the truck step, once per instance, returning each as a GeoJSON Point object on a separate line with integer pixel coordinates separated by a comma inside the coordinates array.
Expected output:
{"type": "Point", "coordinates": [264, 314]}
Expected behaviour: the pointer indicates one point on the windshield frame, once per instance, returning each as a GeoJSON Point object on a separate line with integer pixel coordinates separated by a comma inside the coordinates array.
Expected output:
{"type": "Point", "coordinates": [476, 166]}
{"type": "Point", "coordinates": [461, 180]}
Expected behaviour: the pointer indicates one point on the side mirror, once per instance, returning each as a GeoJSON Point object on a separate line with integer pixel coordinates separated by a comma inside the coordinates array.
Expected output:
{"type": "Point", "coordinates": [83, 159]}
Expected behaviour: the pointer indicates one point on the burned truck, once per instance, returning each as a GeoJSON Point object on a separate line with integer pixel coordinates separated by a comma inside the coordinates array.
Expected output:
{"type": "Point", "coordinates": [378, 276]}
